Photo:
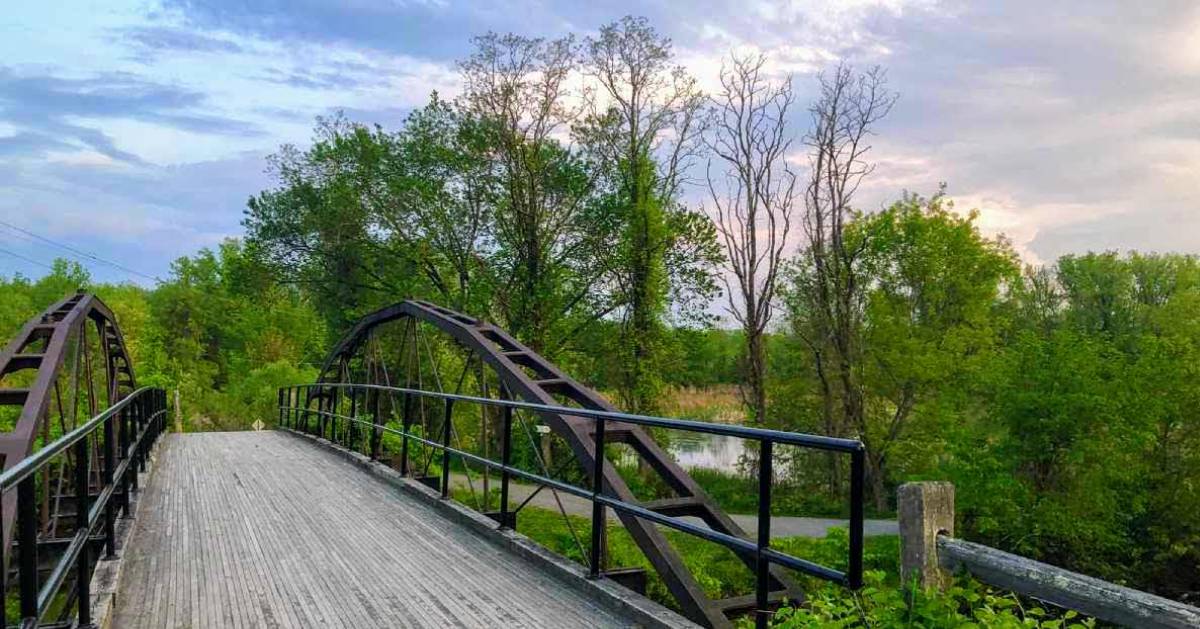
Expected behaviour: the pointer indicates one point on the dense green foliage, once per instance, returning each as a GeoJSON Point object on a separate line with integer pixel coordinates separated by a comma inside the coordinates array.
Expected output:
{"type": "Point", "coordinates": [220, 331]}
{"type": "Point", "coordinates": [1062, 401]}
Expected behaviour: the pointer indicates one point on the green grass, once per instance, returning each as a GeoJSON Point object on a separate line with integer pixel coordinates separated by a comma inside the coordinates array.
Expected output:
{"type": "Point", "coordinates": [717, 569]}
{"type": "Point", "coordinates": [737, 493]}
{"type": "Point", "coordinates": [882, 603]}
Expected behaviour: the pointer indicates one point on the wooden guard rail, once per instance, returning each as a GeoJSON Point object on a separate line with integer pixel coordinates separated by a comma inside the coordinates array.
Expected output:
{"type": "Point", "coordinates": [929, 553]}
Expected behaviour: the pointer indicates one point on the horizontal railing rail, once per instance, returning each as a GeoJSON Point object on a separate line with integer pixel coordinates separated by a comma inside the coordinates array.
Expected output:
{"type": "Point", "coordinates": [296, 412]}
{"type": "Point", "coordinates": [126, 431]}
{"type": "Point", "coordinates": [930, 555]}
{"type": "Point", "coordinates": [1063, 588]}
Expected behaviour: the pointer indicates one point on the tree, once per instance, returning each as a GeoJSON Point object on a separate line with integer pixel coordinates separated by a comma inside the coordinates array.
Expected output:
{"type": "Point", "coordinates": [754, 203]}
{"type": "Point", "coordinates": [321, 227]}
{"type": "Point", "coordinates": [829, 289]}
{"type": "Point", "coordinates": [445, 190]}
{"type": "Point", "coordinates": [641, 138]}
{"type": "Point", "coordinates": [930, 325]}
{"type": "Point", "coordinates": [365, 216]}
{"type": "Point", "coordinates": [547, 270]}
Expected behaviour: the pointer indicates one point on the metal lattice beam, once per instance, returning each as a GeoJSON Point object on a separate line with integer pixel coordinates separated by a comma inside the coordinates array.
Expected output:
{"type": "Point", "coordinates": [514, 363]}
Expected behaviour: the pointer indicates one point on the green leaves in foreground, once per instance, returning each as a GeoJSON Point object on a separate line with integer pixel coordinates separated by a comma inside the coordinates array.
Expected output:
{"type": "Point", "coordinates": [967, 604]}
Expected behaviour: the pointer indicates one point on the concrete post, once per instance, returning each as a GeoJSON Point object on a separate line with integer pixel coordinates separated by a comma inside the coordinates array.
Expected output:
{"type": "Point", "coordinates": [924, 509]}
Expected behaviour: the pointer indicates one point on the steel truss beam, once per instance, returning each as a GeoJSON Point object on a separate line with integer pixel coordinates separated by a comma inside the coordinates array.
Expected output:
{"type": "Point", "coordinates": [513, 362]}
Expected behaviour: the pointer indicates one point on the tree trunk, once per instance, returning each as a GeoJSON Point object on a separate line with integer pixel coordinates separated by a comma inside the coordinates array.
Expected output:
{"type": "Point", "coordinates": [756, 375]}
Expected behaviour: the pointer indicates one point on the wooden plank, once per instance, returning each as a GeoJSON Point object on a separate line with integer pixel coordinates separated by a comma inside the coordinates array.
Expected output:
{"type": "Point", "coordinates": [1070, 590]}
{"type": "Point", "coordinates": [258, 529]}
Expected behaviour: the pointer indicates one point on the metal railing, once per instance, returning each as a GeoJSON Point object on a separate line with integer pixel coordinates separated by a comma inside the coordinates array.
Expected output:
{"type": "Point", "coordinates": [126, 431]}
{"type": "Point", "coordinates": [294, 413]}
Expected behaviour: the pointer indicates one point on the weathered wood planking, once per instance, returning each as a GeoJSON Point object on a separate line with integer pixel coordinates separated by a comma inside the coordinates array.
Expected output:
{"type": "Point", "coordinates": [257, 529]}
{"type": "Point", "coordinates": [1071, 590]}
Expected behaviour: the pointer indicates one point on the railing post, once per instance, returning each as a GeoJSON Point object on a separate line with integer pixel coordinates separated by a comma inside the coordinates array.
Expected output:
{"type": "Point", "coordinates": [279, 397]}
{"type": "Point", "coordinates": [352, 426]}
{"type": "Point", "coordinates": [143, 423]}
{"type": "Point", "coordinates": [506, 460]}
{"type": "Point", "coordinates": [762, 617]}
{"type": "Point", "coordinates": [321, 418]}
{"type": "Point", "coordinates": [376, 422]}
{"type": "Point", "coordinates": [334, 411]}
{"type": "Point", "coordinates": [447, 426]}
{"type": "Point", "coordinates": [598, 524]}
{"type": "Point", "coordinates": [122, 454]}
{"type": "Point", "coordinates": [131, 472]}
{"type": "Point", "coordinates": [83, 572]}
{"type": "Point", "coordinates": [110, 466]}
{"type": "Point", "coordinates": [924, 510]}
{"type": "Point", "coordinates": [857, 473]}
{"type": "Point", "coordinates": [406, 424]}
{"type": "Point", "coordinates": [301, 414]}
{"type": "Point", "coordinates": [27, 530]}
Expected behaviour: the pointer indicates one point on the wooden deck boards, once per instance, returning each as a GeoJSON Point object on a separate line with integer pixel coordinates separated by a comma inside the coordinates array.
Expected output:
{"type": "Point", "coordinates": [258, 529]}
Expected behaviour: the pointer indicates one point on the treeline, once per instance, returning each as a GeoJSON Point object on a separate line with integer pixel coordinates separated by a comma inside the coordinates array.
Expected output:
{"type": "Point", "coordinates": [220, 331]}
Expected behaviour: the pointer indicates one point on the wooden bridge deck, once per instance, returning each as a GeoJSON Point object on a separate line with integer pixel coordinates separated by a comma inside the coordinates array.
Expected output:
{"type": "Point", "coordinates": [259, 529]}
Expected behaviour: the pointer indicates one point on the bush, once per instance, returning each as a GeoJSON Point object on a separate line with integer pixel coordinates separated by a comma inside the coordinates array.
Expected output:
{"type": "Point", "coordinates": [880, 604]}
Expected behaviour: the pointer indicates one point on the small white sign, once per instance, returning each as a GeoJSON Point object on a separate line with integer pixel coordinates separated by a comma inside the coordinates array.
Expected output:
{"type": "Point", "coordinates": [543, 429]}
{"type": "Point", "coordinates": [257, 425]}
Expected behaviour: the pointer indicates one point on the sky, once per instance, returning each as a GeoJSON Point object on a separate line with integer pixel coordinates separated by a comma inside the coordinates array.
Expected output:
{"type": "Point", "coordinates": [134, 132]}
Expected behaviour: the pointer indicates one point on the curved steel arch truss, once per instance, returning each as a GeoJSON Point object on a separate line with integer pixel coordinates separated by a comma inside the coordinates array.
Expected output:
{"type": "Point", "coordinates": [64, 366]}
{"type": "Point", "coordinates": [527, 376]}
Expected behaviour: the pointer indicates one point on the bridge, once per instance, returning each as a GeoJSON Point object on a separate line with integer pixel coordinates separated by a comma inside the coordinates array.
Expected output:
{"type": "Point", "coordinates": [346, 512]}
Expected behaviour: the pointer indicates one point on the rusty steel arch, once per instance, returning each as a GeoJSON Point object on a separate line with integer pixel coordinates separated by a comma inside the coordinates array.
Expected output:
{"type": "Point", "coordinates": [527, 376]}
{"type": "Point", "coordinates": [37, 358]}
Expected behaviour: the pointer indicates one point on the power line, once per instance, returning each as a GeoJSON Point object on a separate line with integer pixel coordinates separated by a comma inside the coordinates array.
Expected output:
{"type": "Point", "coordinates": [29, 260]}
{"type": "Point", "coordinates": [85, 254]}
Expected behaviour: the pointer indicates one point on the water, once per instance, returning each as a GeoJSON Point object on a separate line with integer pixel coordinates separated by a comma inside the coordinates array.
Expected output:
{"type": "Point", "coordinates": [722, 452]}
{"type": "Point", "coordinates": [713, 452]}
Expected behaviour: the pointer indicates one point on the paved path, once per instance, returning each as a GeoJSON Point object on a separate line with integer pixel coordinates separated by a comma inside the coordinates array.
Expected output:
{"type": "Point", "coordinates": [260, 529]}
{"type": "Point", "coordinates": [781, 526]}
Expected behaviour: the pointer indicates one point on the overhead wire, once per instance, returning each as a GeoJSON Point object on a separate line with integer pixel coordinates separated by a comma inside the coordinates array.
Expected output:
{"type": "Point", "coordinates": [29, 260]}
{"type": "Point", "coordinates": [90, 256]}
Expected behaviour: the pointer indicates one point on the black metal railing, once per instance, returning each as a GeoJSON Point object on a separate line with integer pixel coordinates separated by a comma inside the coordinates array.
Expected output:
{"type": "Point", "coordinates": [124, 435]}
{"type": "Point", "coordinates": [295, 413]}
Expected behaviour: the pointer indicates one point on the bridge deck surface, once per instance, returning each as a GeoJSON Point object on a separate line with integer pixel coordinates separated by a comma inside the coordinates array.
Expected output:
{"type": "Point", "coordinates": [259, 529]}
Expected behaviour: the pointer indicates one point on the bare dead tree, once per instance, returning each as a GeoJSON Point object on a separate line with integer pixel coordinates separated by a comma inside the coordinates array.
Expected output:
{"type": "Point", "coordinates": [843, 117]}
{"type": "Point", "coordinates": [754, 200]}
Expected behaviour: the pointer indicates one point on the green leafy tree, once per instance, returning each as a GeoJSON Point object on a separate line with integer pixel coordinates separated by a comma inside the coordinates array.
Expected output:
{"type": "Point", "coordinates": [641, 139]}
{"type": "Point", "coordinates": [929, 323]}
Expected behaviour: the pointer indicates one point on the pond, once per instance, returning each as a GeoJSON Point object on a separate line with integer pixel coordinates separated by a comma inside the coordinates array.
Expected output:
{"type": "Point", "coordinates": [714, 452]}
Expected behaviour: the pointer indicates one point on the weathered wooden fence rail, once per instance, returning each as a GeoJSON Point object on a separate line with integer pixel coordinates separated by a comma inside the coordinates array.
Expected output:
{"type": "Point", "coordinates": [930, 553]}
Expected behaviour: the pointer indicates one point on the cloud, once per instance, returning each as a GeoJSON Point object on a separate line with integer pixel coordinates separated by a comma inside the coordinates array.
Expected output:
{"type": "Point", "coordinates": [143, 217]}
{"type": "Point", "coordinates": [26, 143]}
{"type": "Point", "coordinates": [1059, 125]}
{"type": "Point", "coordinates": [435, 29]}
{"type": "Point", "coordinates": [150, 41]}
{"type": "Point", "coordinates": [46, 111]}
